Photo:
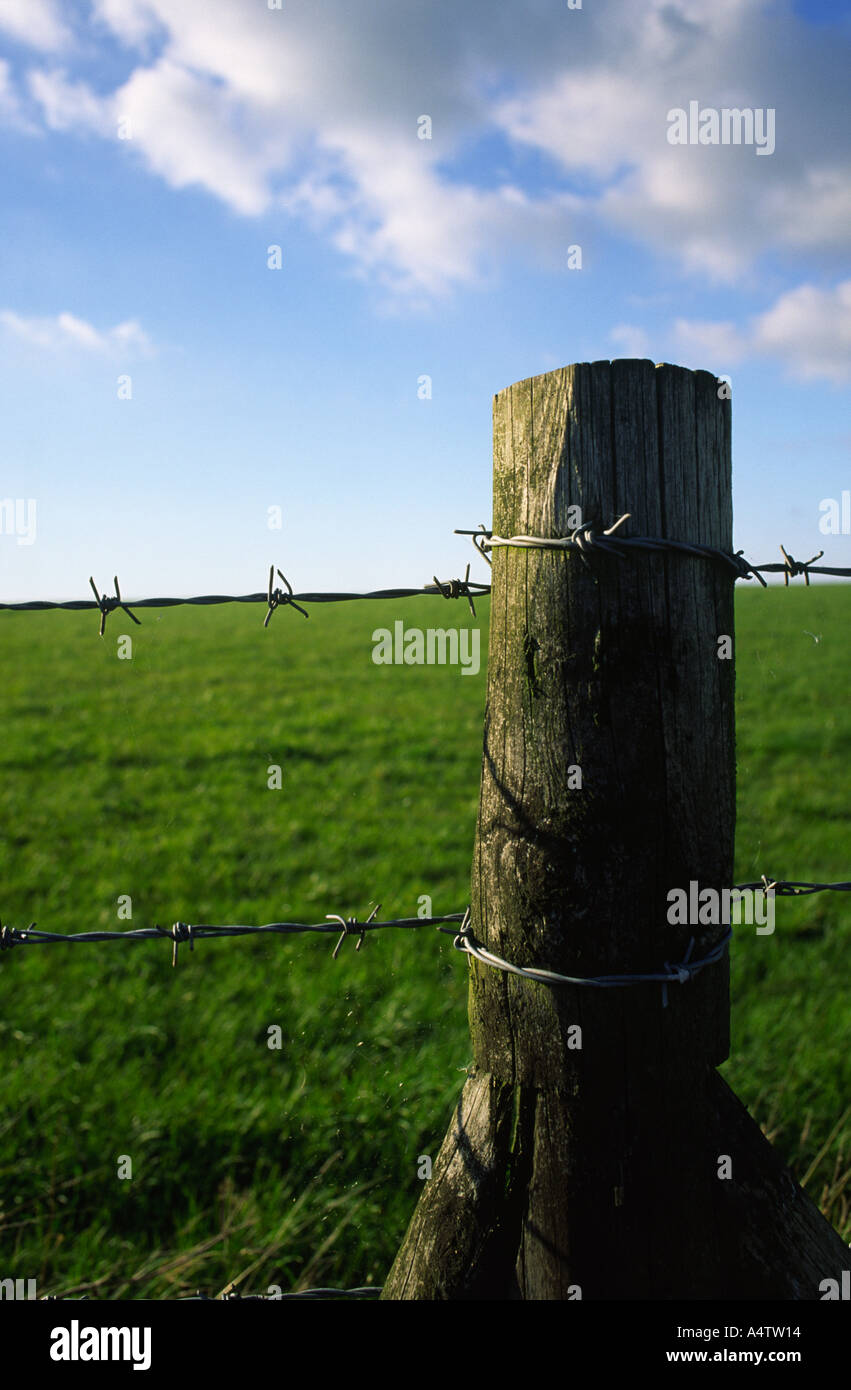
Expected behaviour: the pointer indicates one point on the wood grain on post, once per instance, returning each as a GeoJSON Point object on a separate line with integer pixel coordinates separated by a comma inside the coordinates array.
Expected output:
{"type": "Point", "coordinates": [583, 1157]}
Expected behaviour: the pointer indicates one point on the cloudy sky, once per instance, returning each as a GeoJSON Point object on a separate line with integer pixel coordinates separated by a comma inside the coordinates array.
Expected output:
{"type": "Point", "coordinates": [166, 378]}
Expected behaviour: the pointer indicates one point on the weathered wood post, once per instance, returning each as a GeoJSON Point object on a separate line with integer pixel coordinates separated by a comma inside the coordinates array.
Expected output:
{"type": "Point", "coordinates": [584, 1155]}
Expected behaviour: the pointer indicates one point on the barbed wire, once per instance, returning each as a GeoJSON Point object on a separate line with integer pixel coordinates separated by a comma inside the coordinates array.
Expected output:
{"type": "Point", "coordinates": [679, 972]}
{"type": "Point", "coordinates": [274, 597]}
{"type": "Point", "coordinates": [585, 538]}
{"type": "Point", "coordinates": [365, 1291]}
{"type": "Point", "coordinates": [187, 933]}
{"type": "Point", "coordinates": [784, 889]}
{"type": "Point", "coordinates": [184, 932]}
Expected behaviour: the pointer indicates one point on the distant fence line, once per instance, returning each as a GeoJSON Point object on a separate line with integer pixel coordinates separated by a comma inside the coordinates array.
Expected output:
{"type": "Point", "coordinates": [585, 539]}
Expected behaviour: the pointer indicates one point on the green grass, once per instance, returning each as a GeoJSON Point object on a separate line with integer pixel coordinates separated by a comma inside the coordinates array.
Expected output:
{"type": "Point", "coordinates": [299, 1166]}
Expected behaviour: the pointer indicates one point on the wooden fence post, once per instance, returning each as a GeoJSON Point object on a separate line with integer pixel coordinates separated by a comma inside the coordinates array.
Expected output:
{"type": "Point", "coordinates": [586, 1154]}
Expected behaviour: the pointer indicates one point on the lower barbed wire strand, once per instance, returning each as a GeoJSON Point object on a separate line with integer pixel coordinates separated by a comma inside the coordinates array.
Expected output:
{"type": "Point", "coordinates": [680, 972]}
{"type": "Point", "coordinates": [364, 1291]}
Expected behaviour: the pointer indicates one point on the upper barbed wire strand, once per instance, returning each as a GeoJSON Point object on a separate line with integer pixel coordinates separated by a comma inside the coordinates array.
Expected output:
{"type": "Point", "coordinates": [185, 932]}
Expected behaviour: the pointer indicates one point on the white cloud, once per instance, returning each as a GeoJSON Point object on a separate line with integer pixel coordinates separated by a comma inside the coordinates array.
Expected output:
{"type": "Point", "coordinates": [718, 342]}
{"type": "Point", "coordinates": [131, 21]}
{"type": "Point", "coordinates": [633, 340]}
{"type": "Point", "coordinates": [586, 120]}
{"type": "Point", "coordinates": [816, 210]}
{"type": "Point", "coordinates": [708, 209]}
{"type": "Point", "coordinates": [315, 113]}
{"type": "Point", "coordinates": [808, 330]}
{"type": "Point", "coordinates": [131, 334]}
{"type": "Point", "coordinates": [80, 332]}
{"type": "Point", "coordinates": [70, 105]}
{"type": "Point", "coordinates": [9, 105]}
{"type": "Point", "coordinates": [193, 132]}
{"type": "Point", "coordinates": [65, 330]}
{"type": "Point", "coordinates": [36, 23]}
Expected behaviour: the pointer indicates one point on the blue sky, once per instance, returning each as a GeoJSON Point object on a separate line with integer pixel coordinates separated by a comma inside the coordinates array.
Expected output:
{"type": "Point", "coordinates": [154, 149]}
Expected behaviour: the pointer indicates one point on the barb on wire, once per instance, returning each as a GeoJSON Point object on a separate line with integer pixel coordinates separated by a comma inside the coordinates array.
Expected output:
{"type": "Point", "coordinates": [457, 588]}
{"type": "Point", "coordinates": [479, 537]}
{"type": "Point", "coordinates": [107, 605]}
{"type": "Point", "coordinates": [181, 931]}
{"type": "Point", "coordinates": [791, 567]}
{"type": "Point", "coordinates": [784, 889]}
{"type": "Point", "coordinates": [350, 924]}
{"type": "Point", "coordinates": [13, 936]}
{"type": "Point", "coordinates": [276, 597]}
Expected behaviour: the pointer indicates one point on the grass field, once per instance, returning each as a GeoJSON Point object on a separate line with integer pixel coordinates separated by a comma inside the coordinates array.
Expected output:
{"type": "Point", "coordinates": [299, 1166]}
